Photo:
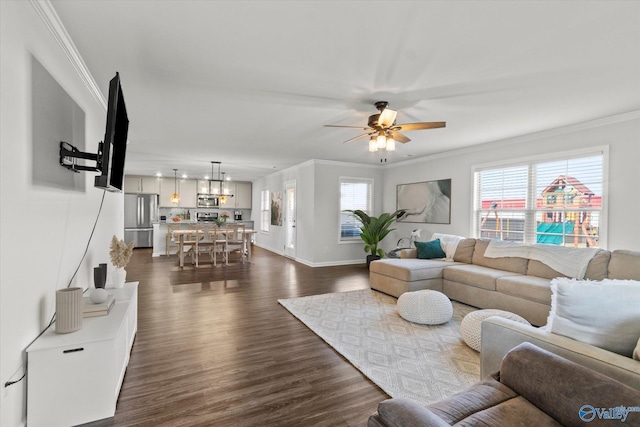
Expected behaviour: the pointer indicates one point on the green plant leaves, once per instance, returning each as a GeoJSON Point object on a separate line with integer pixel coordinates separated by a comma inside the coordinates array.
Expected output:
{"type": "Point", "coordinates": [374, 229]}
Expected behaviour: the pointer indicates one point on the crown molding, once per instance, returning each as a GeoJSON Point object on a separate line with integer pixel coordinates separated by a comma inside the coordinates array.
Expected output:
{"type": "Point", "coordinates": [313, 162]}
{"type": "Point", "coordinates": [590, 124]}
{"type": "Point", "coordinates": [50, 17]}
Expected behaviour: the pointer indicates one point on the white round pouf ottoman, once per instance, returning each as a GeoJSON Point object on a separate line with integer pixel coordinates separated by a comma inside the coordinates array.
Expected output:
{"type": "Point", "coordinates": [425, 307]}
{"type": "Point", "coordinates": [471, 326]}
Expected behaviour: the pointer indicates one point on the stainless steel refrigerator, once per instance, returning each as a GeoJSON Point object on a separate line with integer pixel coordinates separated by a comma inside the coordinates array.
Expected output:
{"type": "Point", "coordinates": [140, 212]}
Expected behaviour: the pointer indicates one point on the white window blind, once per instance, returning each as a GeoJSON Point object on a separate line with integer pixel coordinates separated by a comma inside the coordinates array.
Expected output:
{"type": "Point", "coordinates": [355, 193]}
{"type": "Point", "coordinates": [265, 215]}
{"type": "Point", "coordinates": [554, 201]}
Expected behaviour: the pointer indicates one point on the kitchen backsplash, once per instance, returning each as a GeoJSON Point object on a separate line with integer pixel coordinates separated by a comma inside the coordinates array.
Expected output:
{"type": "Point", "coordinates": [190, 214]}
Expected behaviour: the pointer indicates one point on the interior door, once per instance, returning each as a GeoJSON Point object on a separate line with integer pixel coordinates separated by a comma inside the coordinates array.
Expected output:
{"type": "Point", "coordinates": [290, 219]}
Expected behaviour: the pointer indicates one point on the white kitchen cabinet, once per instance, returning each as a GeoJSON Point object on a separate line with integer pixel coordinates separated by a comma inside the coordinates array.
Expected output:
{"type": "Point", "coordinates": [142, 184]}
{"type": "Point", "coordinates": [76, 378]}
{"type": "Point", "coordinates": [241, 195]}
{"type": "Point", "coordinates": [203, 186]}
{"type": "Point", "coordinates": [188, 193]}
{"type": "Point", "coordinates": [187, 188]}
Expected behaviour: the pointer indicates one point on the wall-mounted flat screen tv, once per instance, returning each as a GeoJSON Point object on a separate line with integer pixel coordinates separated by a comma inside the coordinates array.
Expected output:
{"type": "Point", "coordinates": [112, 151]}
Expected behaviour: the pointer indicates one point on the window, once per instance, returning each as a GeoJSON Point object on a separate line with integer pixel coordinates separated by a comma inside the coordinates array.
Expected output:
{"type": "Point", "coordinates": [556, 201]}
{"type": "Point", "coordinates": [355, 193]}
{"type": "Point", "coordinates": [265, 214]}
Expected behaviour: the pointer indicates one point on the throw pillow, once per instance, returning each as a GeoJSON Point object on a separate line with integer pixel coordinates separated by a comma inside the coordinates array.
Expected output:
{"type": "Point", "coordinates": [430, 249]}
{"type": "Point", "coordinates": [448, 243]}
{"type": "Point", "coordinates": [636, 352]}
{"type": "Point", "coordinates": [601, 313]}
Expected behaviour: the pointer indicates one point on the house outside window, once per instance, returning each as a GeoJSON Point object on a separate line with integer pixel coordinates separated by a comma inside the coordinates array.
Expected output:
{"type": "Point", "coordinates": [555, 200]}
{"type": "Point", "coordinates": [355, 193]}
{"type": "Point", "coordinates": [265, 214]}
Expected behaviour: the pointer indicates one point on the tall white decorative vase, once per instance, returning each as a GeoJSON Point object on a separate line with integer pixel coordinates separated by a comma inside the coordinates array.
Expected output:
{"type": "Point", "coordinates": [118, 276]}
{"type": "Point", "coordinates": [69, 306]}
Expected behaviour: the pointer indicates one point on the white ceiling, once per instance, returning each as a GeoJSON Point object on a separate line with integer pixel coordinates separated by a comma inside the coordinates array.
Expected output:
{"type": "Point", "coordinates": [251, 83]}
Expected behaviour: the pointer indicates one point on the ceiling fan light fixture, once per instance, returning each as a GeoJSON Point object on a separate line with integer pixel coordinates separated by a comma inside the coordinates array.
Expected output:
{"type": "Point", "coordinates": [373, 145]}
{"type": "Point", "coordinates": [391, 144]}
{"type": "Point", "coordinates": [387, 117]}
{"type": "Point", "coordinates": [383, 130]}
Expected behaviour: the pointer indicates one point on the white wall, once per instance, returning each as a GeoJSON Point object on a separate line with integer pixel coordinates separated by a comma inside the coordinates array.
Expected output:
{"type": "Point", "coordinates": [318, 189]}
{"type": "Point", "coordinates": [43, 231]}
{"type": "Point", "coordinates": [318, 206]}
{"type": "Point", "coordinates": [621, 134]}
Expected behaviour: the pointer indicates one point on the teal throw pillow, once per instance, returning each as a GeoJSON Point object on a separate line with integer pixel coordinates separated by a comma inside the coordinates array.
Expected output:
{"type": "Point", "coordinates": [430, 250]}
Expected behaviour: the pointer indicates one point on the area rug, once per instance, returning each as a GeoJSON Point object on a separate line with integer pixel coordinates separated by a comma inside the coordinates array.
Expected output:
{"type": "Point", "coordinates": [421, 363]}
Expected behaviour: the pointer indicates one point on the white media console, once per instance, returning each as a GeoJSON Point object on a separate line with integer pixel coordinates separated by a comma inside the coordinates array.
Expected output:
{"type": "Point", "coordinates": [76, 378]}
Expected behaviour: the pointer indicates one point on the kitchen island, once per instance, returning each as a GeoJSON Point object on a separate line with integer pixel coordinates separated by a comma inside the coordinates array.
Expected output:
{"type": "Point", "coordinates": [160, 235]}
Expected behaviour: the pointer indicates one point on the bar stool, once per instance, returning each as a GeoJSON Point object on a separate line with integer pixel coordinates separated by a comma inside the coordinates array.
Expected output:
{"type": "Point", "coordinates": [171, 242]}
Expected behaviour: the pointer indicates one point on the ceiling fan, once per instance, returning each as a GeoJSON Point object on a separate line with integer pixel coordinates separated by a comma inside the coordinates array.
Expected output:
{"type": "Point", "coordinates": [384, 131]}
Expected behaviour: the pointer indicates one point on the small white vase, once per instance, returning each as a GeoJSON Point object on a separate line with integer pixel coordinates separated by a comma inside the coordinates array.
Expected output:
{"type": "Point", "coordinates": [118, 276]}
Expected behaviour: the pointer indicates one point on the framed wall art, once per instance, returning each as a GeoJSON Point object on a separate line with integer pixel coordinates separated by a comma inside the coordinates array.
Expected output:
{"type": "Point", "coordinates": [276, 208]}
{"type": "Point", "coordinates": [428, 201]}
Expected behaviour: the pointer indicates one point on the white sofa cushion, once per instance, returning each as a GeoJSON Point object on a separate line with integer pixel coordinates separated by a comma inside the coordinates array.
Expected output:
{"type": "Point", "coordinates": [410, 269]}
{"type": "Point", "coordinates": [603, 313]}
{"type": "Point", "coordinates": [527, 287]}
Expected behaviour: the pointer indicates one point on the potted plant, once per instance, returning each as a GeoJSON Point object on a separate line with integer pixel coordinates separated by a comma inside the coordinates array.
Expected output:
{"type": "Point", "coordinates": [120, 253]}
{"type": "Point", "coordinates": [373, 230]}
{"type": "Point", "coordinates": [222, 219]}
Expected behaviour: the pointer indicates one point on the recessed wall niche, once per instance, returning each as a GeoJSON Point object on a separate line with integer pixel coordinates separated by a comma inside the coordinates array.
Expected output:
{"type": "Point", "coordinates": [55, 117]}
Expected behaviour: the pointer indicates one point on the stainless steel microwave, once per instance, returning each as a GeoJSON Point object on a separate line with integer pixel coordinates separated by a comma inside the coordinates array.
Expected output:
{"type": "Point", "coordinates": [207, 201]}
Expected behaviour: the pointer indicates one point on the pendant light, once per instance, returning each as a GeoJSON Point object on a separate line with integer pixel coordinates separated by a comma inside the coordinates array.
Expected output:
{"type": "Point", "coordinates": [175, 197]}
{"type": "Point", "coordinates": [222, 193]}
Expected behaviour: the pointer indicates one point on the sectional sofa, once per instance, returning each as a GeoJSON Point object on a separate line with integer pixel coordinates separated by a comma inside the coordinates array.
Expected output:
{"type": "Point", "coordinates": [579, 328]}
{"type": "Point", "coordinates": [532, 387]}
{"type": "Point", "coordinates": [516, 284]}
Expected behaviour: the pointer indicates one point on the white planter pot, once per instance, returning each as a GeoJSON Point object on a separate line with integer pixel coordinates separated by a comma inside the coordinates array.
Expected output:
{"type": "Point", "coordinates": [118, 277]}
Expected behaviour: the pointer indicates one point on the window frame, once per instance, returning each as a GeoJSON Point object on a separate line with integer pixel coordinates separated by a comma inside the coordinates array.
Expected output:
{"type": "Point", "coordinates": [355, 180]}
{"type": "Point", "coordinates": [531, 212]}
{"type": "Point", "coordinates": [265, 210]}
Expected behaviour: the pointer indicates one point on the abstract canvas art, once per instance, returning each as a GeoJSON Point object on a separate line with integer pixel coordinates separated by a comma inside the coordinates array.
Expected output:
{"type": "Point", "coordinates": [276, 208]}
{"type": "Point", "coordinates": [428, 202]}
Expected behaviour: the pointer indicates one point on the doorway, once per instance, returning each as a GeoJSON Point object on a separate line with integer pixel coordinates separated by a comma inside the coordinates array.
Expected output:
{"type": "Point", "coordinates": [290, 219]}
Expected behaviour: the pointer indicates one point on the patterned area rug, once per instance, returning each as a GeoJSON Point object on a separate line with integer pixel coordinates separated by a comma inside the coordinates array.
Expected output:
{"type": "Point", "coordinates": [421, 363]}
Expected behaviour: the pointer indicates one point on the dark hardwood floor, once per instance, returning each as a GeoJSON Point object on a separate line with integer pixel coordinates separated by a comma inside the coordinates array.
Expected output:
{"type": "Point", "coordinates": [214, 348]}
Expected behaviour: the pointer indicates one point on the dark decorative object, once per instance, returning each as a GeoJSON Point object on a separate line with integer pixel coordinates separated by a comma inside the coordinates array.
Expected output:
{"type": "Point", "coordinates": [98, 277]}
{"type": "Point", "coordinates": [371, 258]}
{"type": "Point", "coordinates": [428, 202]}
{"type": "Point", "coordinates": [103, 266]}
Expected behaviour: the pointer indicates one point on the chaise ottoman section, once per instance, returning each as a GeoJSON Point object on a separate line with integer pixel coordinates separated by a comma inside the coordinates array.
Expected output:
{"type": "Point", "coordinates": [397, 276]}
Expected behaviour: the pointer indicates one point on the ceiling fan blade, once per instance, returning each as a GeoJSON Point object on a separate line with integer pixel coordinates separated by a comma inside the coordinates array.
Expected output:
{"type": "Point", "coordinates": [357, 137]}
{"type": "Point", "coordinates": [419, 126]}
{"type": "Point", "coordinates": [350, 127]}
{"type": "Point", "coordinates": [399, 137]}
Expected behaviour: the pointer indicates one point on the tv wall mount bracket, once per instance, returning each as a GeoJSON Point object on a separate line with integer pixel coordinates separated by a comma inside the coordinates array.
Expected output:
{"type": "Point", "coordinates": [69, 156]}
